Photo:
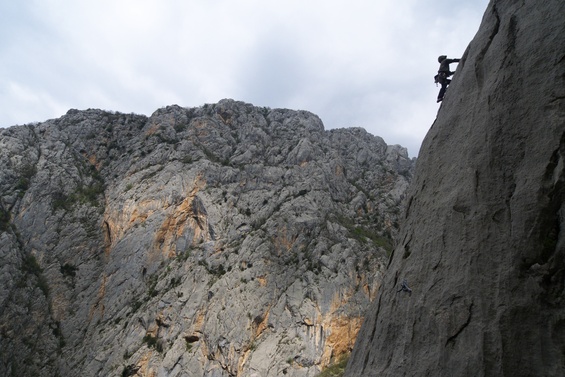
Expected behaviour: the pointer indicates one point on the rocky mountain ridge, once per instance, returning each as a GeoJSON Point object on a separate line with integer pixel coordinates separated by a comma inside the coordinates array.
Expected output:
{"type": "Point", "coordinates": [224, 240]}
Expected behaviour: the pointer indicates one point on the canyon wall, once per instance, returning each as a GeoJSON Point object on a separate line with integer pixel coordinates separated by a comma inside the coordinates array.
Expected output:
{"type": "Point", "coordinates": [223, 240]}
{"type": "Point", "coordinates": [482, 244]}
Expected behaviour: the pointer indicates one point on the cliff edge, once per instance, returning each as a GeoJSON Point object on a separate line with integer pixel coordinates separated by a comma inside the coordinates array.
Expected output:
{"type": "Point", "coordinates": [482, 243]}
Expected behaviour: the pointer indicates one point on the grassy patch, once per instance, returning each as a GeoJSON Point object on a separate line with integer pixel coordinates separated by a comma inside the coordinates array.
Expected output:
{"type": "Point", "coordinates": [365, 234]}
{"type": "Point", "coordinates": [89, 194]}
{"type": "Point", "coordinates": [362, 234]}
{"type": "Point", "coordinates": [336, 369]}
{"type": "Point", "coordinates": [83, 194]}
{"type": "Point", "coordinates": [182, 257]}
{"type": "Point", "coordinates": [216, 271]}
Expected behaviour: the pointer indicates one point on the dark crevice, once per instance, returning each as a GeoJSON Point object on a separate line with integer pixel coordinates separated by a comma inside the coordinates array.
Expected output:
{"type": "Point", "coordinates": [545, 260]}
{"type": "Point", "coordinates": [408, 205]}
{"type": "Point", "coordinates": [496, 25]}
{"type": "Point", "coordinates": [390, 258]}
{"type": "Point", "coordinates": [440, 253]}
{"type": "Point", "coordinates": [477, 180]}
{"type": "Point", "coordinates": [372, 336]}
{"type": "Point", "coordinates": [452, 338]}
{"type": "Point", "coordinates": [556, 99]}
{"type": "Point", "coordinates": [550, 219]}
{"type": "Point", "coordinates": [107, 232]}
{"type": "Point", "coordinates": [406, 251]}
{"type": "Point", "coordinates": [365, 362]}
{"type": "Point", "coordinates": [376, 317]}
{"type": "Point", "coordinates": [107, 237]}
{"type": "Point", "coordinates": [511, 35]}
{"type": "Point", "coordinates": [552, 253]}
{"type": "Point", "coordinates": [483, 51]}
{"type": "Point", "coordinates": [395, 279]}
{"type": "Point", "coordinates": [435, 283]}
{"type": "Point", "coordinates": [463, 209]}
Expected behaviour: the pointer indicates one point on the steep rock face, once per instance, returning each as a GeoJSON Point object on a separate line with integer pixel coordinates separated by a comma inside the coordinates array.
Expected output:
{"type": "Point", "coordinates": [482, 246]}
{"type": "Point", "coordinates": [226, 240]}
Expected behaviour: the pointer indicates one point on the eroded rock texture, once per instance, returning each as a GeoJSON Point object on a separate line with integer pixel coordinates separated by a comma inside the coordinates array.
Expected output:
{"type": "Point", "coordinates": [225, 240]}
{"type": "Point", "coordinates": [482, 246]}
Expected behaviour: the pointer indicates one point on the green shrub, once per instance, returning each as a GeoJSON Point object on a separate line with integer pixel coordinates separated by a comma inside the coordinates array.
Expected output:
{"type": "Point", "coordinates": [175, 282]}
{"type": "Point", "coordinates": [336, 369]}
{"type": "Point", "coordinates": [182, 257]}
{"type": "Point", "coordinates": [26, 173]}
{"type": "Point", "coordinates": [180, 127]}
{"type": "Point", "coordinates": [152, 286]}
{"type": "Point", "coordinates": [61, 201]}
{"type": "Point", "coordinates": [43, 285]}
{"type": "Point", "coordinates": [135, 305]}
{"type": "Point", "coordinates": [4, 220]}
{"type": "Point", "coordinates": [188, 346]}
{"type": "Point", "coordinates": [23, 184]}
{"type": "Point", "coordinates": [31, 266]}
{"type": "Point", "coordinates": [83, 194]}
{"type": "Point", "coordinates": [69, 270]}
{"type": "Point", "coordinates": [89, 194]}
{"type": "Point", "coordinates": [153, 342]}
{"type": "Point", "coordinates": [150, 340]}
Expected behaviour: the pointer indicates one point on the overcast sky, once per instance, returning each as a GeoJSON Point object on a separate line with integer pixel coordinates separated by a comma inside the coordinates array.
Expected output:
{"type": "Point", "coordinates": [355, 63]}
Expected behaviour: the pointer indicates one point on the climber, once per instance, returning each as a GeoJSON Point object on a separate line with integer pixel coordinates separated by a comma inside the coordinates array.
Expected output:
{"type": "Point", "coordinates": [405, 287]}
{"type": "Point", "coordinates": [443, 74]}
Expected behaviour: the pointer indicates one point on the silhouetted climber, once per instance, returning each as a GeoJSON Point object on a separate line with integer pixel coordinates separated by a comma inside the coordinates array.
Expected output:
{"type": "Point", "coordinates": [443, 74]}
{"type": "Point", "coordinates": [405, 287]}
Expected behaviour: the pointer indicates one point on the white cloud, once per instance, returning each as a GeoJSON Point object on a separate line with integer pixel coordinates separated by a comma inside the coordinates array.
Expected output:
{"type": "Point", "coordinates": [23, 102]}
{"type": "Point", "coordinates": [353, 62]}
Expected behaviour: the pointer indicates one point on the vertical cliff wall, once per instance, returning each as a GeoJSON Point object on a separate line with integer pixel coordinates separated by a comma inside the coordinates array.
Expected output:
{"type": "Point", "coordinates": [482, 245]}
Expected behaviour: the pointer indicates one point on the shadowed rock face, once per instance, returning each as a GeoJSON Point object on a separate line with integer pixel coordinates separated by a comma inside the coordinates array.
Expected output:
{"type": "Point", "coordinates": [225, 240]}
{"type": "Point", "coordinates": [482, 246]}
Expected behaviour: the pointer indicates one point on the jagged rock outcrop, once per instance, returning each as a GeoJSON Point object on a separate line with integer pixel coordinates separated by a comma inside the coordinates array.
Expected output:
{"type": "Point", "coordinates": [482, 245]}
{"type": "Point", "coordinates": [225, 240]}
